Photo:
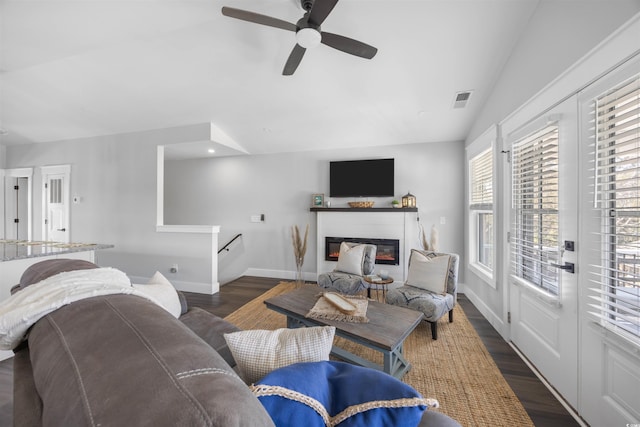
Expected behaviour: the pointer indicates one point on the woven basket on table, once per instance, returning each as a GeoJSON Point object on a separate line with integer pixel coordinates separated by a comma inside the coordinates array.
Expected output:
{"type": "Point", "coordinates": [361, 204]}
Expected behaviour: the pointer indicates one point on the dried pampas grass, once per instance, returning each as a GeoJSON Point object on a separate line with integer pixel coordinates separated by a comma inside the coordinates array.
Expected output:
{"type": "Point", "coordinates": [299, 251]}
{"type": "Point", "coordinates": [434, 238]}
{"type": "Point", "coordinates": [432, 244]}
{"type": "Point", "coordinates": [299, 245]}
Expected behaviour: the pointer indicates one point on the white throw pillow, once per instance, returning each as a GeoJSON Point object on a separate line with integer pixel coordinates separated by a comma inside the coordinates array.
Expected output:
{"type": "Point", "coordinates": [258, 352]}
{"type": "Point", "coordinates": [159, 289]}
{"type": "Point", "coordinates": [427, 273]}
{"type": "Point", "coordinates": [351, 259]}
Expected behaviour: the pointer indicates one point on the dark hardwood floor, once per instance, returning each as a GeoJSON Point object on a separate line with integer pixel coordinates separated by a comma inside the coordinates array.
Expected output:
{"type": "Point", "coordinates": [541, 405]}
{"type": "Point", "coordinates": [538, 401]}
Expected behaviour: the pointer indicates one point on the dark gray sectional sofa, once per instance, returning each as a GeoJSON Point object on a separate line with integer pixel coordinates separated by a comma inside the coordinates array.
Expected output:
{"type": "Point", "coordinates": [120, 360]}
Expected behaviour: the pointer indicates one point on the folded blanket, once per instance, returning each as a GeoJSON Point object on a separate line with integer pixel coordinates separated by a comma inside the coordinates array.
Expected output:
{"type": "Point", "coordinates": [19, 312]}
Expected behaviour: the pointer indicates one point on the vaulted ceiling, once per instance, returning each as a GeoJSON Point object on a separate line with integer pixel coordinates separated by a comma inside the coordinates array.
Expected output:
{"type": "Point", "coordinates": [78, 69]}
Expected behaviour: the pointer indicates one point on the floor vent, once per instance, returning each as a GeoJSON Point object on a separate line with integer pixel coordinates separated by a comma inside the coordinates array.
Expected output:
{"type": "Point", "coordinates": [461, 99]}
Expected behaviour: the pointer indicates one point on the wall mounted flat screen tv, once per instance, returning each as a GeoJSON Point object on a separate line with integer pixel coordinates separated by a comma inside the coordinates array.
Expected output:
{"type": "Point", "coordinates": [361, 178]}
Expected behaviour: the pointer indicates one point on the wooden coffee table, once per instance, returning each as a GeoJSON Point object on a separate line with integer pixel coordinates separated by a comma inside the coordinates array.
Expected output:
{"type": "Point", "coordinates": [386, 331]}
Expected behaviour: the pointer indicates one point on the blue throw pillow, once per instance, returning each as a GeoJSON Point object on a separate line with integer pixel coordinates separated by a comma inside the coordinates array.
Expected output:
{"type": "Point", "coordinates": [335, 393]}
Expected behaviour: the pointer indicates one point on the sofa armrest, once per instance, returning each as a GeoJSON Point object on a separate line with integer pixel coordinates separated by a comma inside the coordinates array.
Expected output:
{"type": "Point", "coordinates": [122, 360]}
{"type": "Point", "coordinates": [210, 328]}
{"type": "Point", "coordinates": [27, 406]}
{"type": "Point", "coordinates": [436, 419]}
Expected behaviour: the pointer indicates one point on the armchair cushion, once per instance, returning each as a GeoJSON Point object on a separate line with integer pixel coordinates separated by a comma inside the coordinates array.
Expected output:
{"type": "Point", "coordinates": [355, 259]}
{"type": "Point", "coordinates": [428, 271]}
{"type": "Point", "coordinates": [344, 283]}
{"type": "Point", "coordinates": [434, 306]}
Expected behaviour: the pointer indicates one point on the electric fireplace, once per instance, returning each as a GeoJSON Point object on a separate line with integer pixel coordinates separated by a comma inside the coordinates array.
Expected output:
{"type": "Point", "coordinates": [387, 250]}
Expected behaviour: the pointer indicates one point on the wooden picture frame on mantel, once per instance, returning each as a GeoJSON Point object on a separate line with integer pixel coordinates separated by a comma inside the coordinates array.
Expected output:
{"type": "Point", "coordinates": [317, 200]}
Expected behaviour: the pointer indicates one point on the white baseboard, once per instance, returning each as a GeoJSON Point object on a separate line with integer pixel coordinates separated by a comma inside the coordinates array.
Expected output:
{"type": "Point", "coordinates": [492, 317]}
{"type": "Point", "coordinates": [196, 287]}
{"type": "Point", "coordinates": [279, 274]}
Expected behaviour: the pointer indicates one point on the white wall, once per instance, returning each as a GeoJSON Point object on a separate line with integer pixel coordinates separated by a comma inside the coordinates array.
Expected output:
{"type": "Point", "coordinates": [3, 153]}
{"type": "Point", "coordinates": [558, 34]}
{"type": "Point", "coordinates": [228, 190]}
{"type": "Point", "coordinates": [115, 177]}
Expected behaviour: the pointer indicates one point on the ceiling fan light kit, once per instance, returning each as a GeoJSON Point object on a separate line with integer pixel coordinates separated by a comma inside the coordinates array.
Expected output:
{"type": "Point", "coordinates": [308, 33]}
{"type": "Point", "coordinates": [308, 38]}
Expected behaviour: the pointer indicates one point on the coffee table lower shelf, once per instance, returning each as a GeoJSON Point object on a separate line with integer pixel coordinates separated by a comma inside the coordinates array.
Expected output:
{"type": "Point", "coordinates": [394, 362]}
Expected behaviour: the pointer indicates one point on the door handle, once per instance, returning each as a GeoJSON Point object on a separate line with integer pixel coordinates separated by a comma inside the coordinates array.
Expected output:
{"type": "Point", "coordinates": [569, 267]}
{"type": "Point", "coordinates": [62, 229]}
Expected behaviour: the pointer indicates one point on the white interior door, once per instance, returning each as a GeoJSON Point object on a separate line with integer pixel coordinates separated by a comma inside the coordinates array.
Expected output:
{"type": "Point", "coordinates": [543, 297]}
{"type": "Point", "coordinates": [56, 203]}
{"type": "Point", "coordinates": [16, 195]}
{"type": "Point", "coordinates": [22, 205]}
{"type": "Point", "coordinates": [11, 207]}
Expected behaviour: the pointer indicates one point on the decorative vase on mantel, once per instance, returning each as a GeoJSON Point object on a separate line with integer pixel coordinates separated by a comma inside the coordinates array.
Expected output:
{"type": "Point", "coordinates": [299, 251]}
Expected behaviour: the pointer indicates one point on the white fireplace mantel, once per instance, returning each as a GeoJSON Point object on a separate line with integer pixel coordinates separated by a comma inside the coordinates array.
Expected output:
{"type": "Point", "coordinates": [400, 224]}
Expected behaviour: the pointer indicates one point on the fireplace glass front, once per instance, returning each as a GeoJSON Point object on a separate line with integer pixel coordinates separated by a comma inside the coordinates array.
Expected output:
{"type": "Point", "coordinates": [387, 250]}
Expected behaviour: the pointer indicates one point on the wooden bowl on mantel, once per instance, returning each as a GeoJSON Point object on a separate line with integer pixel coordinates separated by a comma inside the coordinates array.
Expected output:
{"type": "Point", "coordinates": [361, 204]}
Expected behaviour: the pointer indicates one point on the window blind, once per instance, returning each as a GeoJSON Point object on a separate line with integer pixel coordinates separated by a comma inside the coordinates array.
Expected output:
{"type": "Point", "coordinates": [481, 197]}
{"type": "Point", "coordinates": [616, 299]}
{"type": "Point", "coordinates": [481, 206]}
{"type": "Point", "coordinates": [534, 234]}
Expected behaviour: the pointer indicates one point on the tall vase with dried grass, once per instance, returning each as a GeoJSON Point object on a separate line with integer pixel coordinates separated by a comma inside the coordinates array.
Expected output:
{"type": "Point", "coordinates": [432, 245]}
{"type": "Point", "coordinates": [299, 250]}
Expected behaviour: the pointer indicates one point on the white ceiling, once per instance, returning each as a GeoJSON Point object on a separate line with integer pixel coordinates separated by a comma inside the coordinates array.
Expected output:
{"type": "Point", "coordinates": [77, 69]}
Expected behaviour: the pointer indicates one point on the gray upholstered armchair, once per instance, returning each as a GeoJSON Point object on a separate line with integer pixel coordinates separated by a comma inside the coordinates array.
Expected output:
{"type": "Point", "coordinates": [355, 261]}
{"type": "Point", "coordinates": [431, 286]}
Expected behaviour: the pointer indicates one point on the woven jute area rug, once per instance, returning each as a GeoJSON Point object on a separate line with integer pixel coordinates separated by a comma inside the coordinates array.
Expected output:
{"type": "Point", "coordinates": [456, 369]}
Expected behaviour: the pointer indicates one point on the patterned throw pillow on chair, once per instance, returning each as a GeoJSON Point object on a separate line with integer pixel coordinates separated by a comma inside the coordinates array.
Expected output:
{"type": "Point", "coordinates": [337, 393]}
{"type": "Point", "coordinates": [428, 273]}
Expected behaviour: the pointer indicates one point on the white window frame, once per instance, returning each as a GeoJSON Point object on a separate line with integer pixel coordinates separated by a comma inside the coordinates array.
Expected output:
{"type": "Point", "coordinates": [483, 144]}
{"type": "Point", "coordinates": [614, 289]}
{"type": "Point", "coordinates": [537, 265]}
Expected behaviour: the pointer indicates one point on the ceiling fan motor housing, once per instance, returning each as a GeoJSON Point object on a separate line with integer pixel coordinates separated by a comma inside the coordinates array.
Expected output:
{"type": "Point", "coordinates": [306, 4]}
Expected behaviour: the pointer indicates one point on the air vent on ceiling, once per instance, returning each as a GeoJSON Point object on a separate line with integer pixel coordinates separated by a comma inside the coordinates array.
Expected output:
{"type": "Point", "coordinates": [461, 99]}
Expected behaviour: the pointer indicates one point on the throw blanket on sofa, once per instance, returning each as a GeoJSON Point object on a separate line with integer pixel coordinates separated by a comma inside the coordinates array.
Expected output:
{"type": "Point", "coordinates": [26, 307]}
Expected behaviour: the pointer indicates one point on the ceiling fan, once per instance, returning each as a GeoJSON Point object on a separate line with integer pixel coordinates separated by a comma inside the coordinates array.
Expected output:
{"type": "Point", "coordinates": [308, 33]}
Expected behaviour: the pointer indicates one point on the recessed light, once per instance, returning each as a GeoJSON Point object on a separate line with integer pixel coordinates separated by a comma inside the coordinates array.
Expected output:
{"type": "Point", "coordinates": [211, 150]}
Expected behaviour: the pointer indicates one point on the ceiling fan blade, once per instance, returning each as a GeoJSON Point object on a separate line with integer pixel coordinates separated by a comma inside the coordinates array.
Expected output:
{"type": "Point", "coordinates": [294, 60]}
{"type": "Point", "coordinates": [320, 10]}
{"type": "Point", "coordinates": [347, 45]}
{"type": "Point", "coordinates": [258, 18]}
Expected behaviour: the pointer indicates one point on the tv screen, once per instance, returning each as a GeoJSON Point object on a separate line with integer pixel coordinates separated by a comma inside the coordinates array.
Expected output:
{"type": "Point", "coordinates": [361, 178]}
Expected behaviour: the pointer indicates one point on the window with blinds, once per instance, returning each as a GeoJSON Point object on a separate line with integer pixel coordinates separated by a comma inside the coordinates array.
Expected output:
{"type": "Point", "coordinates": [481, 206]}
{"type": "Point", "coordinates": [534, 234]}
{"type": "Point", "coordinates": [617, 298]}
